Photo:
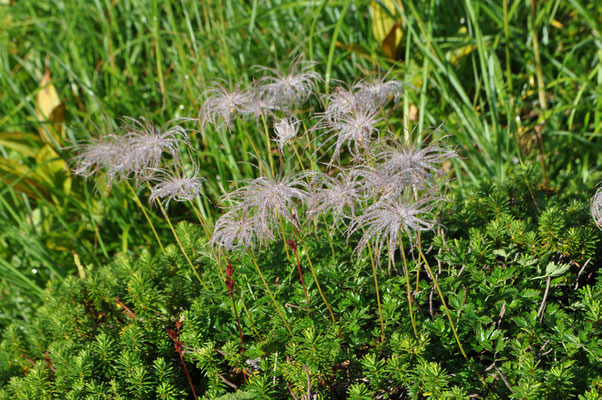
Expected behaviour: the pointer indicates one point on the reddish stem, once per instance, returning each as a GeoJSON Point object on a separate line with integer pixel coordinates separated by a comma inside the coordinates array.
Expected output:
{"type": "Point", "coordinates": [242, 343]}
{"type": "Point", "coordinates": [293, 245]}
{"type": "Point", "coordinates": [175, 336]}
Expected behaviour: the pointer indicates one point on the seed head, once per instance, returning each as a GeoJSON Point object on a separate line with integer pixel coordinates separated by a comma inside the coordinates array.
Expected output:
{"type": "Point", "coordinates": [336, 195]}
{"type": "Point", "coordinates": [222, 104]}
{"type": "Point", "coordinates": [269, 198]}
{"type": "Point", "coordinates": [355, 129]}
{"type": "Point", "coordinates": [147, 143]}
{"type": "Point", "coordinates": [341, 102]}
{"type": "Point", "coordinates": [418, 164]}
{"type": "Point", "coordinates": [376, 182]}
{"type": "Point", "coordinates": [282, 91]}
{"type": "Point", "coordinates": [596, 208]}
{"type": "Point", "coordinates": [379, 91]}
{"type": "Point", "coordinates": [238, 231]}
{"type": "Point", "coordinates": [383, 222]}
{"type": "Point", "coordinates": [176, 184]}
{"type": "Point", "coordinates": [106, 153]}
{"type": "Point", "coordinates": [286, 130]}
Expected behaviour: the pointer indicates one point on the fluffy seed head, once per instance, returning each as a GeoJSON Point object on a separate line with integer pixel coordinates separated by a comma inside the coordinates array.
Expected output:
{"type": "Point", "coordinates": [270, 198]}
{"type": "Point", "coordinates": [282, 91]}
{"type": "Point", "coordinates": [377, 182]}
{"type": "Point", "coordinates": [146, 144]}
{"type": "Point", "coordinates": [336, 195]}
{"type": "Point", "coordinates": [222, 105]}
{"type": "Point", "coordinates": [176, 184]}
{"type": "Point", "coordinates": [106, 153]}
{"type": "Point", "coordinates": [418, 163]}
{"type": "Point", "coordinates": [286, 130]}
{"type": "Point", "coordinates": [384, 221]}
{"type": "Point", "coordinates": [355, 129]}
{"type": "Point", "coordinates": [341, 102]}
{"type": "Point", "coordinates": [238, 231]}
{"type": "Point", "coordinates": [596, 208]}
{"type": "Point", "coordinates": [379, 91]}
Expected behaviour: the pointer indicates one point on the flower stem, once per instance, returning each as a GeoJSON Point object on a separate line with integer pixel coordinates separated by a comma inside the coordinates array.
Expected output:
{"type": "Point", "coordinates": [181, 247]}
{"type": "Point", "coordinates": [380, 312]}
{"type": "Point", "coordinates": [296, 252]}
{"type": "Point", "coordinates": [288, 256]}
{"type": "Point", "coordinates": [451, 322]}
{"type": "Point", "coordinates": [242, 342]}
{"type": "Point", "coordinates": [408, 287]}
{"type": "Point", "coordinates": [418, 262]}
{"type": "Point", "coordinates": [253, 327]}
{"type": "Point", "coordinates": [313, 272]}
{"type": "Point", "coordinates": [267, 142]}
{"type": "Point", "coordinates": [202, 220]}
{"type": "Point", "coordinates": [218, 256]}
{"type": "Point", "coordinates": [273, 299]}
{"type": "Point", "coordinates": [150, 222]}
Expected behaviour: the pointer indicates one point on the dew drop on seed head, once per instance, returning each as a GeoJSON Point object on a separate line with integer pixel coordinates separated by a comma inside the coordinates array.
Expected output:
{"type": "Point", "coordinates": [34, 271]}
{"type": "Point", "coordinates": [181, 106]}
{"type": "Point", "coordinates": [186, 76]}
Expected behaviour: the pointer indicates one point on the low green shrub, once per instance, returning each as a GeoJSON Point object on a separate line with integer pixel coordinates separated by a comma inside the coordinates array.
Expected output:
{"type": "Point", "coordinates": [517, 263]}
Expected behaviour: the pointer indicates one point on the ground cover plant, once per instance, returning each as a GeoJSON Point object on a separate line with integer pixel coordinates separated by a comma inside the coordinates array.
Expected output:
{"type": "Point", "coordinates": [413, 216]}
{"type": "Point", "coordinates": [523, 296]}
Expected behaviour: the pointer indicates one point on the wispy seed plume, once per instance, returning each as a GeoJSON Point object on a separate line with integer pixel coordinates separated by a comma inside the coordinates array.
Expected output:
{"type": "Point", "coordinates": [270, 198]}
{"type": "Point", "coordinates": [106, 153]}
{"type": "Point", "coordinates": [282, 91]}
{"type": "Point", "coordinates": [355, 130]}
{"type": "Point", "coordinates": [383, 222]}
{"type": "Point", "coordinates": [174, 183]}
{"type": "Point", "coordinates": [222, 104]}
{"type": "Point", "coordinates": [146, 144]}
{"type": "Point", "coordinates": [286, 130]}
{"type": "Point", "coordinates": [379, 91]}
{"type": "Point", "coordinates": [336, 195]}
{"type": "Point", "coordinates": [238, 231]}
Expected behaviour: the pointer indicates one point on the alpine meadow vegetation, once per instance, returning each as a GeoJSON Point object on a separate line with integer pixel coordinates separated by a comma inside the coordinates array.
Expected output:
{"type": "Point", "coordinates": [300, 200]}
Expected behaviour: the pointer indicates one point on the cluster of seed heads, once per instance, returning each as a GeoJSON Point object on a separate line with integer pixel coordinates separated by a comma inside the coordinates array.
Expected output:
{"type": "Point", "coordinates": [388, 189]}
{"type": "Point", "coordinates": [383, 190]}
{"type": "Point", "coordinates": [138, 153]}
